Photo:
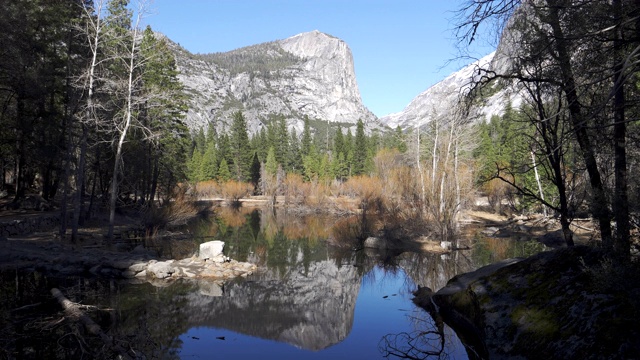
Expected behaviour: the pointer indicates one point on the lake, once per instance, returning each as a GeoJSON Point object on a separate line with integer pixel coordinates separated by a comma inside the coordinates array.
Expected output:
{"type": "Point", "coordinates": [309, 300]}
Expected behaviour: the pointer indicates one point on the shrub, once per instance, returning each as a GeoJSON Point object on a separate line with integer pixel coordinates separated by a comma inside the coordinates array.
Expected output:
{"type": "Point", "coordinates": [207, 189]}
{"type": "Point", "coordinates": [179, 210]}
{"type": "Point", "coordinates": [233, 191]}
{"type": "Point", "coordinates": [368, 190]}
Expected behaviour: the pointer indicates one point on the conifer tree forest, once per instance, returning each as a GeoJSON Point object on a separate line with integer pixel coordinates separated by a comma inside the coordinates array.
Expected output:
{"type": "Point", "coordinates": [91, 105]}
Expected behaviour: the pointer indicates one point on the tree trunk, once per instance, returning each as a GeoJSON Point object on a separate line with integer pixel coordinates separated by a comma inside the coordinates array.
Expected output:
{"type": "Point", "coordinates": [537, 175]}
{"type": "Point", "coordinates": [599, 203]}
{"type": "Point", "coordinates": [123, 135]}
{"type": "Point", "coordinates": [80, 171]}
{"type": "Point", "coordinates": [19, 164]}
{"type": "Point", "coordinates": [154, 184]}
{"type": "Point", "coordinates": [620, 201]}
{"type": "Point", "coordinates": [423, 193]}
{"type": "Point", "coordinates": [73, 311]}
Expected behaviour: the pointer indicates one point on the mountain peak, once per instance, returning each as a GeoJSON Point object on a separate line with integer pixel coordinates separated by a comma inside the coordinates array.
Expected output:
{"type": "Point", "coordinates": [309, 74]}
{"type": "Point", "coordinates": [316, 44]}
{"type": "Point", "coordinates": [313, 33]}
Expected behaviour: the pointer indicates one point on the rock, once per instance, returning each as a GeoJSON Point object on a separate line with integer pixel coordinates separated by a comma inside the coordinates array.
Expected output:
{"type": "Point", "coordinates": [375, 243]}
{"type": "Point", "coordinates": [210, 288]}
{"type": "Point", "coordinates": [212, 273]}
{"type": "Point", "coordinates": [545, 306]}
{"type": "Point", "coordinates": [137, 267]}
{"type": "Point", "coordinates": [442, 98]}
{"type": "Point", "coordinates": [160, 270]}
{"type": "Point", "coordinates": [211, 249]}
{"type": "Point", "coordinates": [220, 259]}
{"type": "Point", "coordinates": [490, 231]}
{"type": "Point", "coordinates": [316, 79]}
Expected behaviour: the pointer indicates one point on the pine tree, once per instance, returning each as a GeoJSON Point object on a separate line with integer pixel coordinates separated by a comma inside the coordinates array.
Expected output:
{"type": "Point", "coordinates": [239, 147]}
{"type": "Point", "coordinates": [163, 112]}
{"type": "Point", "coordinates": [260, 144]}
{"type": "Point", "coordinates": [360, 151]}
{"type": "Point", "coordinates": [311, 164]}
{"type": "Point", "coordinates": [209, 163]}
{"type": "Point", "coordinates": [200, 141]}
{"type": "Point", "coordinates": [224, 174]}
{"type": "Point", "coordinates": [282, 142]}
{"type": "Point", "coordinates": [306, 138]}
{"type": "Point", "coordinates": [271, 164]}
{"type": "Point", "coordinates": [294, 158]}
{"type": "Point", "coordinates": [340, 168]}
{"type": "Point", "coordinates": [338, 142]}
{"type": "Point", "coordinates": [194, 167]}
{"type": "Point", "coordinates": [224, 148]}
{"type": "Point", "coordinates": [255, 173]}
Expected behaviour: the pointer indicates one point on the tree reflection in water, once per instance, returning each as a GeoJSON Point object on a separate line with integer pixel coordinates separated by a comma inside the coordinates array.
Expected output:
{"type": "Point", "coordinates": [426, 341]}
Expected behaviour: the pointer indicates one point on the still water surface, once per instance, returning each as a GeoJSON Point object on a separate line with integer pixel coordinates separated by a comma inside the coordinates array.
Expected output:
{"type": "Point", "coordinates": [308, 301]}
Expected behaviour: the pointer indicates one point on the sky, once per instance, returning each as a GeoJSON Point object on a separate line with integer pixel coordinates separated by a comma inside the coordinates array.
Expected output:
{"type": "Point", "coordinates": [400, 47]}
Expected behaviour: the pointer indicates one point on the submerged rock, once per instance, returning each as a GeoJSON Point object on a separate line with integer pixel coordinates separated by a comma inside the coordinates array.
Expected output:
{"type": "Point", "coordinates": [546, 306]}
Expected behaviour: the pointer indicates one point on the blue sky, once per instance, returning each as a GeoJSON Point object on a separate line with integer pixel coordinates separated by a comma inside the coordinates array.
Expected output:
{"type": "Point", "coordinates": [400, 47]}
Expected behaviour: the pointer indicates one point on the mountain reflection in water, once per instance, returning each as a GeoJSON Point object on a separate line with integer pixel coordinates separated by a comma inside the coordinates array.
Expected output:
{"type": "Point", "coordinates": [309, 300]}
{"type": "Point", "coordinates": [306, 293]}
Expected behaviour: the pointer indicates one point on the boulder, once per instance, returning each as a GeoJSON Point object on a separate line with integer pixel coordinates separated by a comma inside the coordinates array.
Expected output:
{"type": "Point", "coordinates": [161, 269]}
{"type": "Point", "coordinates": [546, 306]}
{"type": "Point", "coordinates": [211, 249]}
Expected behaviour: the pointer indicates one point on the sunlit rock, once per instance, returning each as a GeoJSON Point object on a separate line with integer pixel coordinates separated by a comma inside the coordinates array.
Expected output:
{"type": "Point", "coordinates": [161, 269]}
{"type": "Point", "coordinates": [211, 249]}
{"type": "Point", "coordinates": [310, 74]}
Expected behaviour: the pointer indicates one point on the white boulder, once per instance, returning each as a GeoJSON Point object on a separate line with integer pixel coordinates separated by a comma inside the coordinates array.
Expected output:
{"type": "Point", "coordinates": [211, 250]}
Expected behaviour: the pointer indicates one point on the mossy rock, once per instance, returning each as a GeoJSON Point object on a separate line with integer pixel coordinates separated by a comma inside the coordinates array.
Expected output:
{"type": "Point", "coordinates": [551, 305]}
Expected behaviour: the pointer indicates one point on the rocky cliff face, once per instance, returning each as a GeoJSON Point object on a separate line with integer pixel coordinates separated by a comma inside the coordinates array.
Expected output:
{"type": "Point", "coordinates": [445, 100]}
{"type": "Point", "coordinates": [310, 74]}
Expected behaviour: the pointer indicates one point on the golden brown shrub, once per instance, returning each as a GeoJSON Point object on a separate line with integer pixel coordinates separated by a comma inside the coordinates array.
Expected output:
{"type": "Point", "coordinates": [233, 191]}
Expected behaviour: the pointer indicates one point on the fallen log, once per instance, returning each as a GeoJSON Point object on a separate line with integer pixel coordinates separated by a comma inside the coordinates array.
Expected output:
{"type": "Point", "coordinates": [73, 311]}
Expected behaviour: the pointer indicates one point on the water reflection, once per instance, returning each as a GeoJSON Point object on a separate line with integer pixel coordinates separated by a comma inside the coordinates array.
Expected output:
{"type": "Point", "coordinates": [308, 297]}
{"type": "Point", "coordinates": [305, 293]}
